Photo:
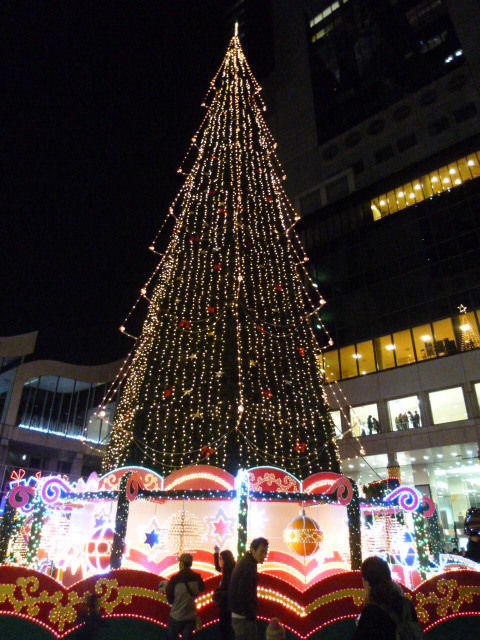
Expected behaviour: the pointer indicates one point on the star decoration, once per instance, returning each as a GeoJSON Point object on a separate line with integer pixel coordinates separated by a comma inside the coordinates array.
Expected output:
{"type": "Point", "coordinates": [220, 527]}
{"type": "Point", "coordinates": [151, 538]}
{"type": "Point", "coordinates": [462, 308]}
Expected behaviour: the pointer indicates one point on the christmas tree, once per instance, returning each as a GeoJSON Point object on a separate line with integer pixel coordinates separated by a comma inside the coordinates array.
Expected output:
{"type": "Point", "coordinates": [226, 369]}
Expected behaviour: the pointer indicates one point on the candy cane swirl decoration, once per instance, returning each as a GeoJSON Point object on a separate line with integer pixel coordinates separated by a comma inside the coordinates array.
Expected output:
{"type": "Point", "coordinates": [21, 497]}
{"type": "Point", "coordinates": [344, 490]}
{"type": "Point", "coordinates": [429, 507]}
{"type": "Point", "coordinates": [134, 483]}
{"type": "Point", "coordinates": [52, 490]}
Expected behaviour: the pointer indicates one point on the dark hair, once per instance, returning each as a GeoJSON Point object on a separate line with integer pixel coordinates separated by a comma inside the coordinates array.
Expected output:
{"type": "Point", "coordinates": [186, 559]}
{"type": "Point", "coordinates": [228, 560]}
{"type": "Point", "coordinates": [256, 542]}
{"type": "Point", "coordinates": [376, 572]}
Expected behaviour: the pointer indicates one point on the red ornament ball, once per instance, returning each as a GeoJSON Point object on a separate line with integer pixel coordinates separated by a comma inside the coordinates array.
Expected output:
{"type": "Point", "coordinates": [99, 548]}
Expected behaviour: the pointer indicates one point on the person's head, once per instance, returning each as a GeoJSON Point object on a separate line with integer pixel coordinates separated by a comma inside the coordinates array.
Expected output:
{"type": "Point", "coordinates": [226, 559]}
{"type": "Point", "coordinates": [275, 623]}
{"type": "Point", "coordinates": [185, 561]}
{"type": "Point", "coordinates": [259, 549]}
{"type": "Point", "coordinates": [377, 579]}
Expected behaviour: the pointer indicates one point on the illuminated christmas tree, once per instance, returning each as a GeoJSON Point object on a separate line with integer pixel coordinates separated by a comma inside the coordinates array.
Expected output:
{"type": "Point", "coordinates": [226, 370]}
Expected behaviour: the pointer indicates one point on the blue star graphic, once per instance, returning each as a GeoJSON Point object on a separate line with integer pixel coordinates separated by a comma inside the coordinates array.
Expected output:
{"type": "Point", "coordinates": [151, 538]}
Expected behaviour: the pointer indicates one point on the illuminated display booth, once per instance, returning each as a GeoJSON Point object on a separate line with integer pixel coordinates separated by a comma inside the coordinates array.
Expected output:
{"type": "Point", "coordinates": [82, 533]}
{"type": "Point", "coordinates": [193, 509]}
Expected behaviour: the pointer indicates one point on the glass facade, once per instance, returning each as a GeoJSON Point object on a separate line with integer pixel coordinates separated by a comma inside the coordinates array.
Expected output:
{"type": "Point", "coordinates": [433, 340]}
{"type": "Point", "coordinates": [436, 182]}
{"type": "Point", "coordinates": [64, 407]}
{"type": "Point", "coordinates": [448, 405]}
{"type": "Point", "coordinates": [380, 278]}
{"type": "Point", "coordinates": [365, 56]}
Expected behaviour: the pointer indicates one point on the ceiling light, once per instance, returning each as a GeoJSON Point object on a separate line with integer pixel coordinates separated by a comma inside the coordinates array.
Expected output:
{"type": "Point", "coordinates": [446, 180]}
{"type": "Point", "coordinates": [465, 327]}
{"type": "Point", "coordinates": [459, 52]}
{"type": "Point", "coordinates": [357, 356]}
{"type": "Point", "coordinates": [426, 457]}
{"type": "Point", "coordinates": [390, 347]}
{"type": "Point", "coordinates": [452, 171]}
{"type": "Point", "coordinates": [470, 163]}
{"type": "Point", "coordinates": [412, 196]}
{"type": "Point", "coordinates": [434, 179]}
{"type": "Point", "coordinates": [401, 194]}
{"type": "Point", "coordinates": [439, 455]}
{"type": "Point", "coordinates": [412, 459]}
{"type": "Point", "coordinates": [382, 203]}
{"type": "Point", "coordinates": [426, 338]}
{"type": "Point", "coordinates": [458, 181]}
{"type": "Point", "coordinates": [454, 454]}
{"type": "Point", "coordinates": [350, 466]}
{"type": "Point", "coordinates": [417, 187]}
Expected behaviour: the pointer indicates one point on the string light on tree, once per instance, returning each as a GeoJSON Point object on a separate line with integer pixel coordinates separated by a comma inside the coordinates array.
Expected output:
{"type": "Point", "coordinates": [227, 356]}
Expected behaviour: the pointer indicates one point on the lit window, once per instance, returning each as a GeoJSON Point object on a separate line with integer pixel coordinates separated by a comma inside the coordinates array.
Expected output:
{"type": "Point", "coordinates": [384, 352]}
{"type": "Point", "coordinates": [423, 340]}
{"type": "Point", "coordinates": [448, 405]}
{"type": "Point", "coordinates": [477, 391]}
{"type": "Point", "coordinates": [364, 420]}
{"type": "Point", "coordinates": [403, 347]}
{"type": "Point", "coordinates": [331, 366]}
{"type": "Point", "coordinates": [445, 343]}
{"type": "Point", "coordinates": [348, 362]}
{"type": "Point", "coordinates": [404, 413]}
{"type": "Point", "coordinates": [438, 181]}
{"type": "Point", "coordinates": [337, 421]}
{"type": "Point", "coordinates": [367, 362]}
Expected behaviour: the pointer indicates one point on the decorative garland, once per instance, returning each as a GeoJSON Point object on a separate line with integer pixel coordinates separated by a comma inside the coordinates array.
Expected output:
{"type": "Point", "coordinates": [7, 527]}
{"type": "Point", "coordinates": [354, 528]}
{"type": "Point", "coordinates": [121, 521]}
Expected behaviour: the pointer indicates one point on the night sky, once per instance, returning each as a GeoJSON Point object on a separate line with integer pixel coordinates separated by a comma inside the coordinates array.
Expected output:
{"type": "Point", "coordinates": [101, 101]}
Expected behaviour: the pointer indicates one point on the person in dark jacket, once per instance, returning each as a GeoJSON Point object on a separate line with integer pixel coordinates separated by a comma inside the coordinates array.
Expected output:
{"type": "Point", "coordinates": [225, 564]}
{"type": "Point", "coordinates": [92, 618]}
{"type": "Point", "coordinates": [385, 605]}
{"type": "Point", "coordinates": [243, 591]}
{"type": "Point", "coordinates": [473, 548]}
{"type": "Point", "coordinates": [181, 591]}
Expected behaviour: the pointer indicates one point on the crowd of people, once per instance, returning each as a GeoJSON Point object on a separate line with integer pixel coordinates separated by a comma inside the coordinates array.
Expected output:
{"type": "Point", "coordinates": [387, 614]}
{"type": "Point", "coordinates": [407, 420]}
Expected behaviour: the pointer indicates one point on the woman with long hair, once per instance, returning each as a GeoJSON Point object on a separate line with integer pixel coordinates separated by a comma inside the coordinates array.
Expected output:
{"type": "Point", "coordinates": [225, 564]}
{"type": "Point", "coordinates": [387, 614]}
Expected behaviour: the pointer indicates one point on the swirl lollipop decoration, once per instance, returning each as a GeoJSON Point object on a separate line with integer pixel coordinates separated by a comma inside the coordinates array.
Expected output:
{"type": "Point", "coordinates": [21, 497]}
{"type": "Point", "coordinates": [408, 498]}
{"type": "Point", "coordinates": [52, 490]}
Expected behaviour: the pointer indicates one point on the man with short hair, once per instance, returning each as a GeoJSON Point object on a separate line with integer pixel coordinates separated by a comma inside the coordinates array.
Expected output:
{"type": "Point", "coordinates": [181, 591]}
{"type": "Point", "coordinates": [243, 590]}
